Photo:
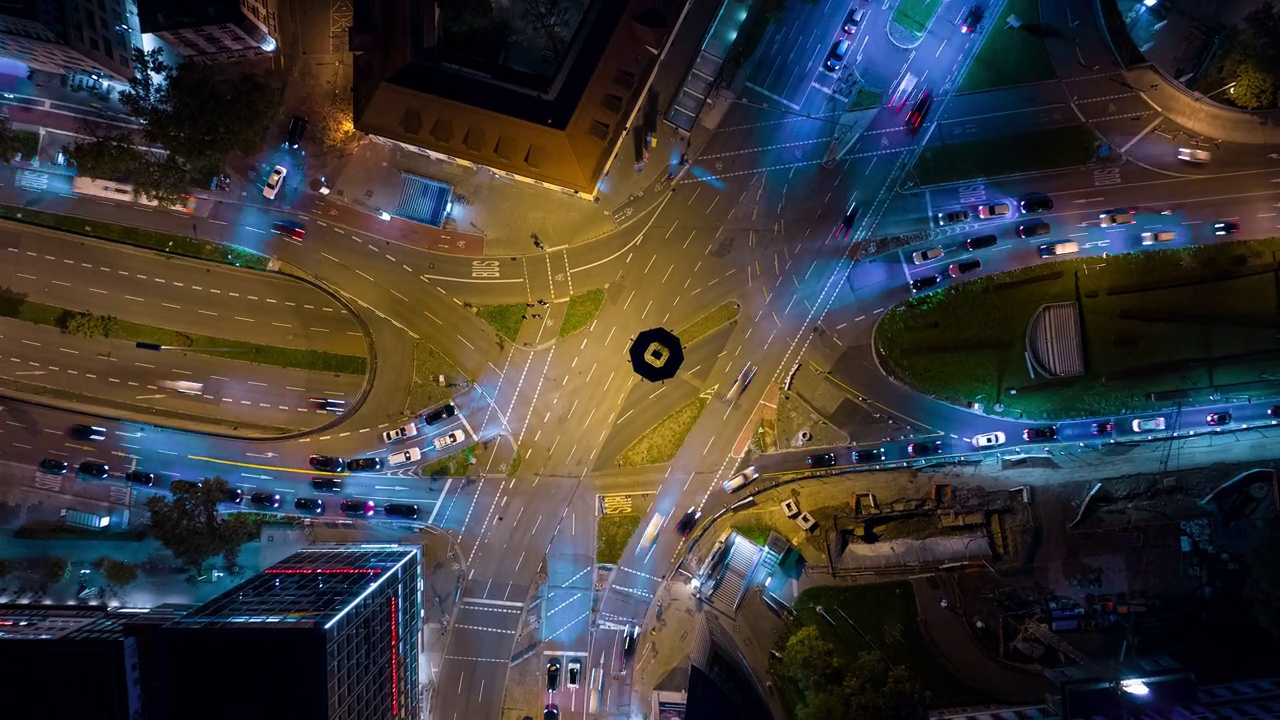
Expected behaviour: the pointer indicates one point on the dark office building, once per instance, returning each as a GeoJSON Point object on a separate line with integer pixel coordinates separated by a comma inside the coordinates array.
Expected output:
{"type": "Point", "coordinates": [211, 30]}
{"type": "Point", "coordinates": [329, 632]}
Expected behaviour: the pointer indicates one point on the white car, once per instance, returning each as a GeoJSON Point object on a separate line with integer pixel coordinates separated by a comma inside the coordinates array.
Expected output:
{"type": "Point", "coordinates": [400, 433]}
{"type": "Point", "coordinates": [401, 457]}
{"type": "Point", "coordinates": [274, 181]}
{"type": "Point", "coordinates": [1148, 424]}
{"type": "Point", "coordinates": [986, 212]}
{"type": "Point", "coordinates": [651, 532]}
{"type": "Point", "coordinates": [988, 440]}
{"type": "Point", "coordinates": [1193, 155]}
{"type": "Point", "coordinates": [1116, 217]}
{"type": "Point", "coordinates": [452, 438]}
{"type": "Point", "coordinates": [923, 256]}
{"type": "Point", "coordinates": [741, 480]}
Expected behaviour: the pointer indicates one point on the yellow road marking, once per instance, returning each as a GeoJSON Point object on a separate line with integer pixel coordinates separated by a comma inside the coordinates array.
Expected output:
{"type": "Point", "coordinates": [237, 463]}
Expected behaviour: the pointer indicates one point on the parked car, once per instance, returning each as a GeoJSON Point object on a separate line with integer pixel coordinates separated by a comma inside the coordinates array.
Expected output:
{"type": "Point", "coordinates": [408, 511]}
{"type": "Point", "coordinates": [1218, 418]}
{"type": "Point", "coordinates": [326, 485]}
{"type": "Point", "coordinates": [951, 217]}
{"type": "Point", "coordinates": [1148, 424]}
{"type": "Point", "coordinates": [988, 440]}
{"type": "Point", "coordinates": [553, 674]}
{"type": "Point", "coordinates": [573, 673]}
{"type": "Point", "coordinates": [741, 480]}
{"type": "Point", "coordinates": [870, 455]}
{"type": "Point", "coordinates": [1040, 433]}
{"type": "Point", "coordinates": [924, 282]}
{"type": "Point", "coordinates": [327, 463]}
{"type": "Point", "coordinates": [311, 506]}
{"type": "Point", "coordinates": [297, 128]}
{"type": "Point", "coordinates": [94, 469]}
{"type": "Point", "coordinates": [139, 477]}
{"type": "Point", "coordinates": [265, 499]}
{"type": "Point", "coordinates": [551, 712]}
{"type": "Point", "coordinates": [964, 267]}
{"type": "Point", "coordinates": [838, 54]}
{"type": "Point", "coordinates": [821, 460]}
{"type": "Point", "coordinates": [916, 449]}
{"type": "Point", "coordinates": [854, 19]}
{"type": "Point", "coordinates": [402, 457]}
{"type": "Point", "coordinates": [440, 414]}
{"type": "Point", "coordinates": [1036, 202]}
{"type": "Point", "coordinates": [364, 464]}
{"type": "Point", "coordinates": [972, 19]}
{"type": "Point", "coordinates": [1103, 428]}
{"type": "Point", "coordinates": [274, 181]}
{"type": "Point", "coordinates": [994, 210]}
{"type": "Point", "coordinates": [54, 466]}
{"type": "Point", "coordinates": [980, 242]}
{"type": "Point", "coordinates": [356, 508]}
{"type": "Point", "coordinates": [687, 521]}
{"type": "Point", "coordinates": [923, 256]}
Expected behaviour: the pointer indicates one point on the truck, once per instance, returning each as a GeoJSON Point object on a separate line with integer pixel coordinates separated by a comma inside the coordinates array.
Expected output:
{"type": "Point", "coordinates": [80, 518]}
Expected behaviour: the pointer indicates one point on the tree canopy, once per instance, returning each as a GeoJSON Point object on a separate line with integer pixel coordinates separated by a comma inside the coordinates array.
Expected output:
{"type": "Point", "coordinates": [869, 688]}
{"type": "Point", "coordinates": [117, 573]}
{"type": "Point", "coordinates": [191, 528]}
{"type": "Point", "coordinates": [1253, 61]}
{"type": "Point", "coordinates": [1263, 586]}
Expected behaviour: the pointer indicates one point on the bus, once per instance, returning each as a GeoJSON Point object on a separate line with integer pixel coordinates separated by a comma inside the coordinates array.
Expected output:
{"type": "Point", "coordinates": [87, 186]}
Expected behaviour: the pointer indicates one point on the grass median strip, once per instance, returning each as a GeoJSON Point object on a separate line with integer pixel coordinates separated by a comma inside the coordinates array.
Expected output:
{"type": "Point", "coordinates": [453, 466]}
{"type": "Point", "coordinates": [14, 305]}
{"type": "Point", "coordinates": [613, 532]}
{"type": "Point", "coordinates": [717, 318]}
{"type": "Point", "coordinates": [506, 319]}
{"type": "Point", "coordinates": [915, 15]}
{"type": "Point", "coordinates": [138, 237]}
{"type": "Point", "coordinates": [660, 443]}
{"type": "Point", "coordinates": [582, 311]}
{"type": "Point", "coordinates": [994, 65]}
{"type": "Point", "coordinates": [425, 390]}
{"type": "Point", "coordinates": [1052, 149]}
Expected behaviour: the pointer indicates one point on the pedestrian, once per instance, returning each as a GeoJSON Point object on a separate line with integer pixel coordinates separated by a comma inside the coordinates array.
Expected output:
{"type": "Point", "coordinates": [543, 303]}
{"type": "Point", "coordinates": [524, 317]}
{"type": "Point", "coordinates": [537, 316]}
{"type": "Point", "coordinates": [528, 305]}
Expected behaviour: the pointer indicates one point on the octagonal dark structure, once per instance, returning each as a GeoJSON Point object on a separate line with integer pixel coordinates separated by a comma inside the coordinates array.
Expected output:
{"type": "Point", "coordinates": [656, 354]}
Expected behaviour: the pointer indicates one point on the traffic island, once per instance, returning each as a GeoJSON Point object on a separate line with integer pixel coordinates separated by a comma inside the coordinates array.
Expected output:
{"type": "Point", "coordinates": [710, 321]}
{"type": "Point", "coordinates": [435, 379]}
{"type": "Point", "coordinates": [613, 532]}
{"type": "Point", "coordinates": [506, 319]}
{"type": "Point", "coordinates": [582, 311]}
{"type": "Point", "coordinates": [660, 443]}
{"type": "Point", "coordinates": [1008, 55]}
{"type": "Point", "coordinates": [911, 20]}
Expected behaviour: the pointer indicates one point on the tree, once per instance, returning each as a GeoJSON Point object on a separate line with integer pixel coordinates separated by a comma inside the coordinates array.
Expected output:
{"type": "Point", "coordinates": [109, 156]}
{"type": "Point", "coordinates": [55, 570]}
{"type": "Point", "coordinates": [191, 528]}
{"type": "Point", "coordinates": [548, 19]}
{"type": "Point", "coordinates": [875, 689]}
{"type": "Point", "coordinates": [1253, 62]}
{"type": "Point", "coordinates": [6, 567]}
{"type": "Point", "coordinates": [88, 325]}
{"type": "Point", "coordinates": [117, 573]}
{"type": "Point", "coordinates": [331, 117]}
{"type": "Point", "coordinates": [1263, 586]}
{"type": "Point", "coordinates": [1255, 87]}
{"type": "Point", "coordinates": [11, 143]}
{"type": "Point", "coordinates": [810, 660]}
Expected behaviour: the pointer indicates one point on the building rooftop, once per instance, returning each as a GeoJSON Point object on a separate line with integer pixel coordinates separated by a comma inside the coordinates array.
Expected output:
{"type": "Point", "coordinates": [161, 15]}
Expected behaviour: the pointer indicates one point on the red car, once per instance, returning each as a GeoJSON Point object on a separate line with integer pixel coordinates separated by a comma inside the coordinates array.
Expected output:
{"type": "Point", "coordinates": [917, 115]}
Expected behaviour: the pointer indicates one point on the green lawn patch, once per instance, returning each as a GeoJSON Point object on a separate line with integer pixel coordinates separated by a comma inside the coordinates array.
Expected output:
{"type": "Point", "coordinates": [140, 237]}
{"type": "Point", "coordinates": [425, 390]}
{"type": "Point", "coordinates": [28, 143]}
{"type": "Point", "coordinates": [613, 532]}
{"type": "Point", "coordinates": [660, 443]}
{"type": "Point", "coordinates": [453, 466]}
{"type": "Point", "coordinates": [1052, 149]}
{"type": "Point", "coordinates": [582, 311]}
{"type": "Point", "coordinates": [715, 319]}
{"type": "Point", "coordinates": [755, 531]}
{"type": "Point", "coordinates": [515, 463]}
{"type": "Point", "coordinates": [1152, 337]}
{"type": "Point", "coordinates": [865, 98]}
{"type": "Point", "coordinates": [1008, 56]}
{"type": "Point", "coordinates": [915, 15]}
{"type": "Point", "coordinates": [886, 621]}
{"type": "Point", "coordinates": [506, 319]}
{"type": "Point", "coordinates": [15, 306]}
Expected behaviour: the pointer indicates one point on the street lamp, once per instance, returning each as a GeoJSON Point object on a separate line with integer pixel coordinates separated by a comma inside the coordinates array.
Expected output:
{"type": "Point", "coordinates": [1224, 87]}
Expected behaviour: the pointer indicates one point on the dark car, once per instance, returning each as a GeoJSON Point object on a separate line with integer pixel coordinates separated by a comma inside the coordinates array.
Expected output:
{"type": "Point", "coordinates": [94, 469]}
{"type": "Point", "coordinates": [964, 267]}
{"type": "Point", "coordinates": [1102, 428]}
{"type": "Point", "coordinates": [1226, 228]}
{"type": "Point", "coordinates": [92, 433]}
{"type": "Point", "coordinates": [951, 217]}
{"type": "Point", "coordinates": [846, 224]}
{"type": "Point", "coordinates": [839, 52]}
{"type": "Point", "coordinates": [972, 19]}
{"type": "Point", "coordinates": [1274, 411]}
{"type": "Point", "coordinates": [54, 466]}
{"type": "Point", "coordinates": [313, 506]}
{"type": "Point", "coordinates": [265, 499]}
{"type": "Point", "coordinates": [1040, 433]}
{"type": "Point", "coordinates": [918, 113]}
{"type": "Point", "coordinates": [440, 414]}
{"type": "Point", "coordinates": [553, 674]}
{"type": "Point", "coordinates": [297, 128]}
{"type": "Point", "coordinates": [140, 477]}
{"type": "Point", "coordinates": [357, 507]}
{"type": "Point", "coordinates": [821, 460]}
{"type": "Point", "coordinates": [329, 404]}
{"type": "Point", "coordinates": [295, 230]}
{"type": "Point", "coordinates": [408, 511]}
{"type": "Point", "coordinates": [917, 449]}
{"type": "Point", "coordinates": [1036, 202]}
{"type": "Point", "coordinates": [234, 496]}
{"type": "Point", "coordinates": [1218, 418]}
{"type": "Point", "coordinates": [873, 455]}
{"type": "Point", "coordinates": [980, 242]}
{"type": "Point", "coordinates": [551, 712]}
{"type": "Point", "coordinates": [1033, 228]}
{"type": "Point", "coordinates": [364, 464]}
{"type": "Point", "coordinates": [853, 19]}
{"type": "Point", "coordinates": [326, 485]}
{"type": "Point", "coordinates": [630, 638]}
{"type": "Point", "coordinates": [925, 282]}
{"type": "Point", "coordinates": [690, 518]}
{"type": "Point", "coordinates": [327, 463]}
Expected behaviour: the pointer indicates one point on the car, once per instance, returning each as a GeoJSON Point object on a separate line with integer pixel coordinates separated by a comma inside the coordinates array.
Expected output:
{"type": "Point", "coordinates": [1103, 428]}
{"type": "Point", "coordinates": [54, 466]}
{"type": "Point", "coordinates": [402, 457]}
{"type": "Point", "coordinates": [846, 224]}
{"type": "Point", "coordinates": [651, 531]}
{"type": "Point", "coordinates": [408, 511]}
{"type": "Point", "coordinates": [452, 438]}
{"type": "Point", "coordinates": [903, 93]}
{"type": "Point", "coordinates": [403, 432]}
{"type": "Point", "coordinates": [1194, 155]}
{"type": "Point", "coordinates": [311, 506]}
{"type": "Point", "coordinates": [1159, 236]}
{"type": "Point", "coordinates": [923, 256]}
{"type": "Point", "coordinates": [980, 242]}
{"type": "Point", "coordinates": [994, 210]}
{"type": "Point", "coordinates": [265, 499]}
{"type": "Point", "coordinates": [630, 638]}
{"type": "Point", "coordinates": [551, 712]}
{"type": "Point", "coordinates": [94, 469]}
{"type": "Point", "coordinates": [741, 480]}
{"type": "Point", "coordinates": [573, 673]}
{"type": "Point", "coordinates": [1040, 433]}
{"type": "Point", "coordinates": [964, 267]}
{"type": "Point", "coordinates": [326, 484]}
{"type": "Point", "coordinates": [295, 230]}
{"type": "Point", "coordinates": [1148, 424]}
{"type": "Point", "coordinates": [1036, 202]}
{"type": "Point", "coordinates": [1218, 418]}
{"type": "Point", "coordinates": [440, 414]}
{"type": "Point", "coordinates": [687, 521]}
{"type": "Point", "coordinates": [329, 404]}
{"type": "Point", "coordinates": [871, 455]}
{"type": "Point", "coordinates": [740, 383]}
{"type": "Point", "coordinates": [364, 464]}
{"type": "Point", "coordinates": [839, 52]}
{"type": "Point", "coordinates": [274, 181]}
{"type": "Point", "coordinates": [297, 128]}
{"type": "Point", "coordinates": [916, 449]}
{"type": "Point", "coordinates": [821, 460]}
{"type": "Point", "coordinates": [139, 477]}
{"type": "Point", "coordinates": [1274, 411]}
{"type": "Point", "coordinates": [186, 387]}
{"type": "Point", "coordinates": [1033, 229]}
{"type": "Point", "coordinates": [972, 19]}
{"type": "Point", "coordinates": [1226, 228]}
{"type": "Point", "coordinates": [234, 496]}
{"type": "Point", "coordinates": [1119, 216]}
{"type": "Point", "coordinates": [951, 217]}
{"type": "Point", "coordinates": [854, 19]}
{"type": "Point", "coordinates": [327, 463]}
{"type": "Point", "coordinates": [553, 674]}
{"type": "Point", "coordinates": [988, 440]}
{"type": "Point", "coordinates": [354, 507]}
{"type": "Point", "coordinates": [92, 433]}
{"type": "Point", "coordinates": [916, 117]}
{"type": "Point", "coordinates": [925, 282]}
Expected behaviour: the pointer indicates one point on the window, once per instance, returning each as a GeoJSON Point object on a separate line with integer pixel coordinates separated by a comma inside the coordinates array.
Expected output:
{"type": "Point", "coordinates": [93, 43]}
{"type": "Point", "coordinates": [599, 130]}
{"type": "Point", "coordinates": [612, 103]}
{"type": "Point", "coordinates": [624, 79]}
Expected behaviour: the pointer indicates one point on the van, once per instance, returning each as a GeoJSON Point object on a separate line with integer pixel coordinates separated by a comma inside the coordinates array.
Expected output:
{"type": "Point", "coordinates": [1060, 248]}
{"type": "Point", "coordinates": [741, 480]}
{"type": "Point", "coordinates": [839, 51]}
{"type": "Point", "coordinates": [1158, 237]}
